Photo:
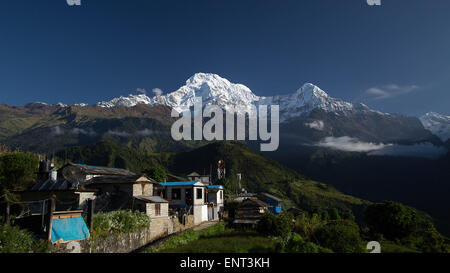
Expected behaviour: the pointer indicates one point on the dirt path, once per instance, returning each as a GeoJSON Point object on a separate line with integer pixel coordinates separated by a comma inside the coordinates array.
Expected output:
{"type": "Point", "coordinates": [204, 225]}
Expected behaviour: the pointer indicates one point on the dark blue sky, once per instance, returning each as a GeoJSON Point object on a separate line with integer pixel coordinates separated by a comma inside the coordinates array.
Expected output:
{"type": "Point", "coordinates": [399, 51]}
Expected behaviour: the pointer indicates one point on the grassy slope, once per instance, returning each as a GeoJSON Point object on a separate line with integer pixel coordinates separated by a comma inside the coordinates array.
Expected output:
{"type": "Point", "coordinates": [216, 239]}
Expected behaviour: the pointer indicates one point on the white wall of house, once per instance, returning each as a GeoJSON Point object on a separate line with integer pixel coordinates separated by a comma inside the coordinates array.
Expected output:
{"type": "Point", "coordinates": [200, 213]}
{"type": "Point", "coordinates": [197, 200]}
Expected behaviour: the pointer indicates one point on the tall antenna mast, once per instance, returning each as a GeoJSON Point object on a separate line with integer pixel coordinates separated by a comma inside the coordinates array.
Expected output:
{"type": "Point", "coordinates": [220, 169]}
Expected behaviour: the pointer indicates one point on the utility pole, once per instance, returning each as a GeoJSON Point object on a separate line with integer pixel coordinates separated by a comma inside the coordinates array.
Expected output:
{"type": "Point", "coordinates": [90, 215]}
{"type": "Point", "coordinates": [50, 210]}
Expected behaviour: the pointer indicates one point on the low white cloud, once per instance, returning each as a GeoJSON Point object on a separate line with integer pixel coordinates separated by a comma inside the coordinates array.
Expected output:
{"type": "Point", "coordinates": [425, 150]}
{"type": "Point", "coordinates": [56, 131]}
{"type": "Point", "coordinates": [146, 132]}
{"type": "Point", "coordinates": [141, 90]}
{"type": "Point", "coordinates": [349, 144]}
{"type": "Point", "coordinates": [157, 92]}
{"type": "Point", "coordinates": [118, 133]}
{"type": "Point", "coordinates": [80, 131]}
{"type": "Point", "coordinates": [388, 91]}
{"type": "Point", "coordinates": [317, 124]}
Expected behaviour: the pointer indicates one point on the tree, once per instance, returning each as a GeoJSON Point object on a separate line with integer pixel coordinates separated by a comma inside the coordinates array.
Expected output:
{"type": "Point", "coordinates": [279, 226]}
{"type": "Point", "coordinates": [341, 236]}
{"type": "Point", "coordinates": [392, 219]}
{"type": "Point", "coordinates": [297, 245]}
{"type": "Point", "coordinates": [17, 170]}
{"type": "Point", "coordinates": [306, 225]}
{"type": "Point", "coordinates": [157, 173]}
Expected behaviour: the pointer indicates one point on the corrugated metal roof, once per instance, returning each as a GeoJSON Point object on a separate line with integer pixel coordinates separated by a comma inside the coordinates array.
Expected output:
{"type": "Point", "coordinates": [193, 174]}
{"type": "Point", "coordinates": [253, 202]}
{"type": "Point", "coordinates": [51, 185]}
{"type": "Point", "coordinates": [270, 196]}
{"type": "Point", "coordinates": [152, 199]}
{"type": "Point", "coordinates": [113, 179]}
{"type": "Point", "coordinates": [215, 187]}
{"type": "Point", "coordinates": [89, 169]}
{"type": "Point", "coordinates": [183, 183]}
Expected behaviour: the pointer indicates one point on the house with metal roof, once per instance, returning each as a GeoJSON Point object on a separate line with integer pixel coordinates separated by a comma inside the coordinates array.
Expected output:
{"type": "Point", "coordinates": [153, 206]}
{"type": "Point", "coordinates": [273, 202]}
{"type": "Point", "coordinates": [73, 184]}
{"type": "Point", "coordinates": [215, 201]}
{"type": "Point", "coordinates": [193, 198]}
{"type": "Point", "coordinates": [250, 211]}
{"type": "Point", "coordinates": [187, 197]}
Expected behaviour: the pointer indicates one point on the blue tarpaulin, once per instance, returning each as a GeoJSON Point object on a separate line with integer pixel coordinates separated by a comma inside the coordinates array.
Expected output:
{"type": "Point", "coordinates": [69, 229]}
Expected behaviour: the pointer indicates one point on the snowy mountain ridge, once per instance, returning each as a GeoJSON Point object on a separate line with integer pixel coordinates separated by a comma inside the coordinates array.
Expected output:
{"type": "Point", "coordinates": [219, 91]}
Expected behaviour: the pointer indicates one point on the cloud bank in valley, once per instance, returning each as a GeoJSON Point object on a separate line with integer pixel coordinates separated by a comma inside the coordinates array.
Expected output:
{"type": "Point", "coordinates": [349, 144]}
{"type": "Point", "coordinates": [58, 131]}
{"type": "Point", "coordinates": [316, 124]}
{"type": "Point", "coordinates": [425, 150]}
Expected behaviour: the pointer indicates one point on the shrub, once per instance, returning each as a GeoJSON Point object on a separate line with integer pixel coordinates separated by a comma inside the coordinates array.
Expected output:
{"type": "Point", "coordinates": [279, 226]}
{"type": "Point", "coordinates": [429, 241]}
{"type": "Point", "coordinates": [341, 236]}
{"type": "Point", "coordinates": [306, 225]}
{"type": "Point", "coordinates": [392, 219]}
{"type": "Point", "coordinates": [120, 221]}
{"type": "Point", "coordinates": [16, 240]}
{"type": "Point", "coordinates": [297, 245]}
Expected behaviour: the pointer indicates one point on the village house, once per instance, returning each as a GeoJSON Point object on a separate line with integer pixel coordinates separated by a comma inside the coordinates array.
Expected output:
{"type": "Point", "coordinates": [215, 201]}
{"type": "Point", "coordinates": [73, 184]}
{"type": "Point", "coordinates": [273, 202]}
{"type": "Point", "coordinates": [67, 189]}
{"type": "Point", "coordinates": [153, 206]}
{"type": "Point", "coordinates": [192, 198]}
{"type": "Point", "coordinates": [118, 192]}
{"type": "Point", "coordinates": [249, 212]}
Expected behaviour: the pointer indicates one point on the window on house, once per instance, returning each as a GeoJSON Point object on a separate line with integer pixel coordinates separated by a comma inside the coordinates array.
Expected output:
{"type": "Point", "coordinates": [199, 193]}
{"type": "Point", "coordinates": [176, 194]}
{"type": "Point", "coordinates": [221, 195]}
{"type": "Point", "coordinates": [157, 209]}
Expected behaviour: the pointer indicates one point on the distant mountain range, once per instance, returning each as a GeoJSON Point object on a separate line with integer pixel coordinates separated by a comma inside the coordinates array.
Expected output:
{"type": "Point", "coordinates": [300, 105]}
{"type": "Point", "coordinates": [308, 116]}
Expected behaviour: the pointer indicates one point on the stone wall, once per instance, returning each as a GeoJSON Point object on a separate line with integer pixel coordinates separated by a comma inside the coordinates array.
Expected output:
{"type": "Point", "coordinates": [127, 242]}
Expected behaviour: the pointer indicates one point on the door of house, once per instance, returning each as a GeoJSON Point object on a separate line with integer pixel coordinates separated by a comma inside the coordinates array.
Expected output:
{"type": "Point", "coordinates": [188, 196]}
{"type": "Point", "coordinates": [210, 213]}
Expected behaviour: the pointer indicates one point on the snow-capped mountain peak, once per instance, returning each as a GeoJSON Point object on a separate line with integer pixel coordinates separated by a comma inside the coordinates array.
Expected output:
{"type": "Point", "coordinates": [438, 124]}
{"type": "Point", "coordinates": [217, 90]}
{"type": "Point", "coordinates": [129, 101]}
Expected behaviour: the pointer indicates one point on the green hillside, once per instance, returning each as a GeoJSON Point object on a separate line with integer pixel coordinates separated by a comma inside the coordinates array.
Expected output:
{"type": "Point", "coordinates": [259, 173]}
